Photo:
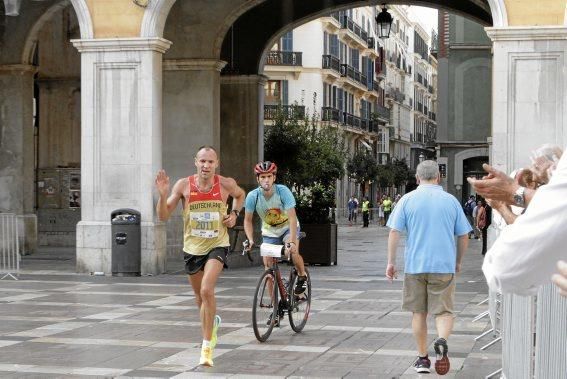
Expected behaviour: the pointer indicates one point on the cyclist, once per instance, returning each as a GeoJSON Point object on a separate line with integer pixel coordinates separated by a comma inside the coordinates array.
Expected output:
{"type": "Point", "coordinates": [275, 205]}
{"type": "Point", "coordinates": [205, 236]}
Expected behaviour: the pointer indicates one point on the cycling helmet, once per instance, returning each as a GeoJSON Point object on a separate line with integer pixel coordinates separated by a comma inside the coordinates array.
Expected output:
{"type": "Point", "coordinates": [266, 167]}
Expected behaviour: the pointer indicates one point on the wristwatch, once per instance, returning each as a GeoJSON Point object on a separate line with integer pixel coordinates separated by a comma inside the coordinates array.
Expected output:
{"type": "Point", "coordinates": [519, 198]}
{"type": "Point", "coordinates": [236, 212]}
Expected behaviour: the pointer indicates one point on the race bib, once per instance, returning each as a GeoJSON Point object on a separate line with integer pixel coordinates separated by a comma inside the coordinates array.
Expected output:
{"type": "Point", "coordinates": [205, 224]}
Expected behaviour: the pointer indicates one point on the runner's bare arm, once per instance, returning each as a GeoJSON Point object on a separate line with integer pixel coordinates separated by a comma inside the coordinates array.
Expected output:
{"type": "Point", "coordinates": [165, 204]}
{"type": "Point", "coordinates": [230, 188]}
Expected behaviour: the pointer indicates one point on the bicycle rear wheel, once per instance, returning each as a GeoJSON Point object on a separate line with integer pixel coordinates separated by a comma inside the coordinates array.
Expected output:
{"type": "Point", "coordinates": [265, 306]}
{"type": "Point", "coordinates": [299, 305]}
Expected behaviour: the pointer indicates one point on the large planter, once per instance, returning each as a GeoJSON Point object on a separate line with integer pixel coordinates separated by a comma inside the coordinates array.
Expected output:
{"type": "Point", "coordinates": [320, 245]}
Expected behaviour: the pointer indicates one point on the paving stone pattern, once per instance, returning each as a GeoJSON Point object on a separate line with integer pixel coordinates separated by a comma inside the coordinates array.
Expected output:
{"type": "Point", "coordinates": [58, 324]}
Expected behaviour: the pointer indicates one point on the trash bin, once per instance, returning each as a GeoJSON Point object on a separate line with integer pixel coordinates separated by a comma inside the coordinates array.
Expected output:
{"type": "Point", "coordinates": [126, 242]}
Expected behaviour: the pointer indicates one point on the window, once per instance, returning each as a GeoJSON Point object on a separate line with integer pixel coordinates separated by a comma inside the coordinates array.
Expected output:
{"type": "Point", "coordinates": [276, 92]}
{"type": "Point", "coordinates": [355, 58]}
{"type": "Point", "coordinates": [334, 45]}
{"type": "Point", "coordinates": [287, 41]}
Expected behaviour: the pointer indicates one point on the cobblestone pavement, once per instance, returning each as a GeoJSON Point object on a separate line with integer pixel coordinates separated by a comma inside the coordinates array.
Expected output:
{"type": "Point", "coordinates": [57, 324]}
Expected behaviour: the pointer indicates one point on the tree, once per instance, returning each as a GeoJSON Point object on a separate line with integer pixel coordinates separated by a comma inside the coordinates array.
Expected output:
{"type": "Point", "coordinates": [362, 167]}
{"type": "Point", "coordinates": [310, 159]}
{"type": "Point", "coordinates": [400, 171]}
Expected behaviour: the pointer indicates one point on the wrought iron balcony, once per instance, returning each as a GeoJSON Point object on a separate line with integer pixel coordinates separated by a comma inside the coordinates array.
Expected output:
{"type": "Point", "coordinates": [352, 120]}
{"type": "Point", "coordinates": [382, 113]}
{"type": "Point", "coordinates": [348, 23]}
{"type": "Point", "coordinates": [272, 112]}
{"type": "Point", "coordinates": [284, 58]}
{"type": "Point", "coordinates": [332, 63]}
{"type": "Point", "coordinates": [376, 86]}
{"type": "Point", "coordinates": [354, 74]}
{"type": "Point", "coordinates": [330, 114]}
{"type": "Point", "coordinates": [396, 95]}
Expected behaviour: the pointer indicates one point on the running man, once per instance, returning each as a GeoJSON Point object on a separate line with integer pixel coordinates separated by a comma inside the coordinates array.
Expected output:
{"type": "Point", "coordinates": [275, 205]}
{"type": "Point", "coordinates": [205, 234]}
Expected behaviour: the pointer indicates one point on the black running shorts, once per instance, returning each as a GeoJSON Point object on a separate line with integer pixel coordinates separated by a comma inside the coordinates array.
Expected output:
{"type": "Point", "coordinates": [196, 263]}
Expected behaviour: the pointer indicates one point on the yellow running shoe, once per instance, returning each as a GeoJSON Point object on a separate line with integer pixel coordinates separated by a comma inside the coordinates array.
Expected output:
{"type": "Point", "coordinates": [206, 356]}
{"type": "Point", "coordinates": [216, 325]}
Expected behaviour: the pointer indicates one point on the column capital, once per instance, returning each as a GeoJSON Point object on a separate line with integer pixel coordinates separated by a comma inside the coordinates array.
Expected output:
{"type": "Point", "coordinates": [160, 45]}
{"type": "Point", "coordinates": [196, 64]}
{"type": "Point", "coordinates": [244, 79]}
{"type": "Point", "coordinates": [525, 33]}
{"type": "Point", "coordinates": [12, 69]}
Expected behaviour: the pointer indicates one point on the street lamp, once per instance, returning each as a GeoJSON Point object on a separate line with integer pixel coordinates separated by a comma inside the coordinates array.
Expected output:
{"type": "Point", "coordinates": [384, 21]}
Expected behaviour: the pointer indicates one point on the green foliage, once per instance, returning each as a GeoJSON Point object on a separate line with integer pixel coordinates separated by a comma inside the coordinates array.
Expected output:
{"type": "Point", "coordinates": [400, 172]}
{"type": "Point", "coordinates": [310, 159]}
{"type": "Point", "coordinates": [362, 167]}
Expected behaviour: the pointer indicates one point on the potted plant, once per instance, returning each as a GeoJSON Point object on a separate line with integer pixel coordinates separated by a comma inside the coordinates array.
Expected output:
{"type": "Point", "coordinates": [310, 159]}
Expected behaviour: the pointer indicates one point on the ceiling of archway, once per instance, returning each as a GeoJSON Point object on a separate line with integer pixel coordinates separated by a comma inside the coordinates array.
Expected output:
{"type": "Point", "coordinates": [246, 42]}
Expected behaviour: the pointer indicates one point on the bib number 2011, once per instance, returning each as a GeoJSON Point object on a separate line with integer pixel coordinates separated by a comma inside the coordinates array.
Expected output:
{"type": "Point", "coordinates": [205, 224]}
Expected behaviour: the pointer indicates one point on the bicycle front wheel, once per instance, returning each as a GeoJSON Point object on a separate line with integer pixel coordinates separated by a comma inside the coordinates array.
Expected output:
{"type": "Point", "coordinates": [299, 305]}
{"type": "Point", "coordinates": [265, 306]}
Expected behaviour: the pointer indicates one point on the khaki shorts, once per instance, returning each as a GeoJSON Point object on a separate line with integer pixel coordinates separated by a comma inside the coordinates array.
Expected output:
{"type": "Point", "coordinates": [429, 293]}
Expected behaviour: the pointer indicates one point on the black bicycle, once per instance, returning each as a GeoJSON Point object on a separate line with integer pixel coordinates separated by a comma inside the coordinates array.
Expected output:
{"type": "Point", "coordinates": [273, 298]}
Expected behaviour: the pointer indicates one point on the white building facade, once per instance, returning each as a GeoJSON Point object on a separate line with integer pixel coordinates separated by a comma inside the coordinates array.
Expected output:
{"type": "Point", "coordinates": [338, 67]}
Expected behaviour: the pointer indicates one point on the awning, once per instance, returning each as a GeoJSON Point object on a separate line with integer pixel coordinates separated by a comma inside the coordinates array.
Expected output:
{"type": "Point", "coordinates": [366, 145]}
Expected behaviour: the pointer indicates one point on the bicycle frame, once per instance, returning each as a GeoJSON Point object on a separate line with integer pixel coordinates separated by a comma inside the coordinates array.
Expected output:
{"type": "Point", "coordinates": [276, 272]}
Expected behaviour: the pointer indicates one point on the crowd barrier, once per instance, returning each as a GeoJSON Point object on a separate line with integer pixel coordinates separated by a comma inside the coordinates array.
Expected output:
{"type": "Point", "coordinates": [533, 331]}
{"type": "Point", "coordinates": [9, 245]}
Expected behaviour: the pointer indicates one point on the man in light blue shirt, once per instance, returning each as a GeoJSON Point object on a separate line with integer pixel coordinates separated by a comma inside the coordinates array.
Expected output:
{"type": "Point", "coordinates": [431, 218]}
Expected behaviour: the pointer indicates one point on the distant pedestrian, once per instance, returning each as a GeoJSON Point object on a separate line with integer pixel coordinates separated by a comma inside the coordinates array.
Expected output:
{"type": "Point", "coordinates": [351, 206]}
{"type": "Point", "coordinates": [483, 221]}
{"type": "Point", "coordinates": [387, 204]}
{"type": "Point", "coordinates": [380, 213]}
{"type": "Point", "coordinates": [431, 218]}
{"type": "Point", "coordinates": [468, 208]}
{"type": "Point", "coordinates": [365, 212]}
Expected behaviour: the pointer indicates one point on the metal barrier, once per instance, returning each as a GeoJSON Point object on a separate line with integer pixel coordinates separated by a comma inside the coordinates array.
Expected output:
{"type": "Point", "coordinates": [9, 245]}
{"type": "Point", "coordinates": [518, 327]}
{"type": "Point", "coordinates": [533, 333]}
{"type": "Point", "coordinates": [551, 334]}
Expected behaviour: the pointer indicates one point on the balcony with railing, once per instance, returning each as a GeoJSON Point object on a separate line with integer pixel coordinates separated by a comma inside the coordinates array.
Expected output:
{"type": "Point", "coordinates": [354, 74]}
{"type": "Point", "coordinates": [355, 29]}
{"type": "Point", "coordinates": [376, 86]}
{"type": "Point", "coordinates": [330, 114]}
{"type": "Point", "coordinates": [352, 120]}
{"type": "Point", "coordinates": [330, 62]}
{"type": "Point", "coordinates": [382, 113]}
{"type": "Point", "coordinates": [332, 21]}
{"type": "Point", "coordinates": [396, 95]}
{"type": "Point", "coordinates": [272, 112]}
{"type": "Point", "coordinates": [284, 58]}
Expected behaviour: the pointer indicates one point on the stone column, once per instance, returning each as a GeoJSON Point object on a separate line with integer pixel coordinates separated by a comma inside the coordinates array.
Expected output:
{"type": "Point", "coordinates": [191, 111]}
{"type": "Point", "coordinates": [529, 92]}
{"type": "Point", "coordinates": [17, 150]}
{"type": "Point", "coordinates": [121, 145]}
{"type": "Point", "coordinates": [242, 126]}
